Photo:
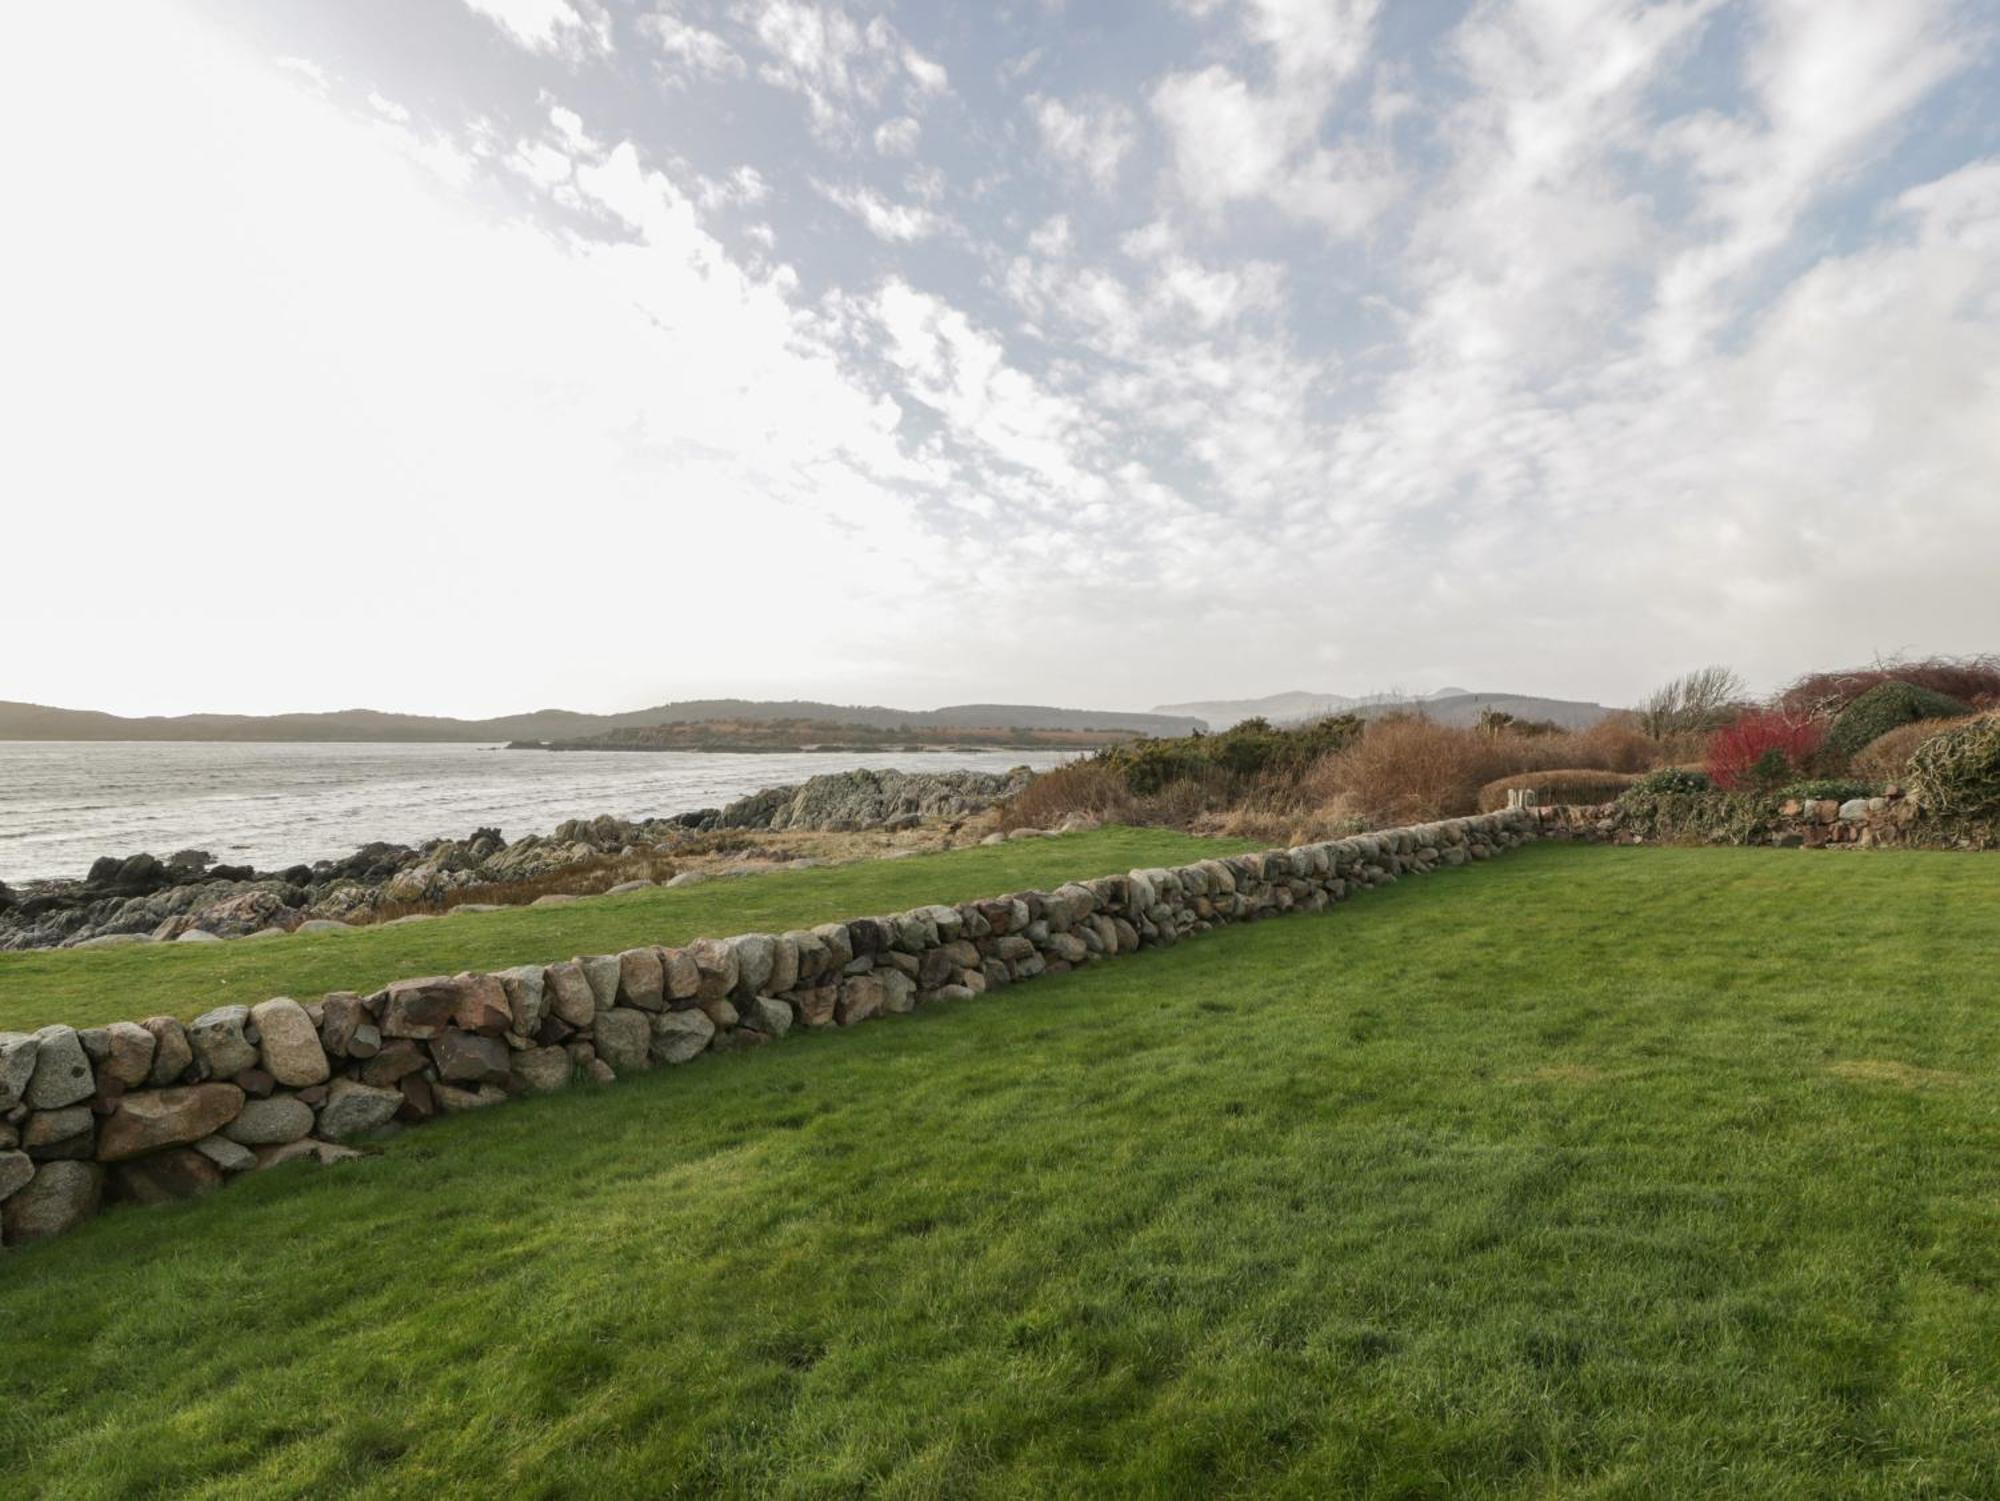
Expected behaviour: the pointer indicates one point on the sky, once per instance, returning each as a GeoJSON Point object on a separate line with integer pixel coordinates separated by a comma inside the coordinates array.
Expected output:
{"type": "Point", "coordinates": [472, 356]}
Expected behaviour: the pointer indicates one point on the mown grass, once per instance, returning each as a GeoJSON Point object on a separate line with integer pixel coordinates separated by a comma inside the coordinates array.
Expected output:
{"type": "Point", "coordinates": [1583, 1173]}
{"type": "Point", "coordinates": [88, 987]}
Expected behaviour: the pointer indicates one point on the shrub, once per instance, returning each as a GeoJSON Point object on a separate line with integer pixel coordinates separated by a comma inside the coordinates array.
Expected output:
{"type": "Point", "coordinates": [1762, 750]}
{"type": "Point", "coordinates": [1886, 759]}
{"type": "Point", "coordinates": [1245, 750]}
{"type": "Point", "coordinates": [1678, 781]}
{"type": "Point", "coordinates": [1330, 775]}
{"type": "Point", "coordinates": [1956, 773]}
{"type": "Point", "coordinates": [1574, 785]}
{"type": "Point", "coordinates": [1971, 680]}
{"type": "Point", "coordinates": [1087, 787]}
{"type": "Point", "coordinates": [1407, 769]}
{"type": "Point", "coordinates": [1883, 708]}
{"type": "Point", "coordinates": [1820, 789]}
{"type": "Point", "coordinates": [1616, 743]}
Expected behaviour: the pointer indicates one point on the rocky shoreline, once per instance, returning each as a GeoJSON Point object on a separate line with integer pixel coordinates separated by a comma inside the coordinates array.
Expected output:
{"type": "Point", "coordinates": [190, 897]}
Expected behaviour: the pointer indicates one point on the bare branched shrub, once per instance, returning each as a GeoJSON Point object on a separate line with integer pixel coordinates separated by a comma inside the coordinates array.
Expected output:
{"type": "Point", "coordinates": [1972, 680]}
{"type": "Point", "coordinates": [1699, 702]}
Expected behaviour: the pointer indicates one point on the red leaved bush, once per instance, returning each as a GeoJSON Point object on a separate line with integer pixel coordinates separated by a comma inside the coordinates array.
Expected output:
{"type": "Point", "coordinates": [1763, 749]}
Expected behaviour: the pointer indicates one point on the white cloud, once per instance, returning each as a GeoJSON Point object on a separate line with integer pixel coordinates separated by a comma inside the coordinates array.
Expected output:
{"type": "Point", "coordinates": [746, 187]}
{"type": "Point", "coordinates": [306, 68]}
{"type": "Point", "coordinates": [928, 75]}
{"type": "Point", "coordinates": [897, 137]}
{"type": "Point", "coordinates": [1052, 236]}
{"type": "Point", "coordinates": [1233, 141]}
{"type": "Point", "coordinates": [1588, 376]}
{"type": "Point", "coordinates": [693, 49]}
{"type": "Point", "coordinates": [582, 433]}
{"type": "Point", "coordinates": [1526, 244]}
{"type": "Point", "coordinates": [1832, 78]}
{"type": "Point", "coordinates": [835, 62]}
{"type": "Point", "coordinates": [962, 371]}
{"type": "Point", "coordinates": [897, 223]}
{"type": "Point", "coordinates": [567, 27]}
{"type": "Point", "coordinates": [1091, 137]}
{"type": "Point", "coordinates": [1316, 41]}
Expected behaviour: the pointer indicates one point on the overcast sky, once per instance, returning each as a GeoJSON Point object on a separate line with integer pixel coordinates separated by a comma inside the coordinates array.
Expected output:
{"type": "Point", "coordinates": [476, 355]}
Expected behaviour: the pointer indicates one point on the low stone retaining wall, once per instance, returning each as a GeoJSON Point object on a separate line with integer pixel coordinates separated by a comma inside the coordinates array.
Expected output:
{"type": "Point", "coordinates": [1789, 823]}
{"type": "Point", "coordinates": [153, 1110]}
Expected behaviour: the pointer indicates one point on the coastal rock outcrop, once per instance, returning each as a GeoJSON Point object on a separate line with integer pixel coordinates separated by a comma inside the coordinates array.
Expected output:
{"type": "Point", "coordinates": [865, 800]}
{"type": "Point", "coordinates": [139, 898]}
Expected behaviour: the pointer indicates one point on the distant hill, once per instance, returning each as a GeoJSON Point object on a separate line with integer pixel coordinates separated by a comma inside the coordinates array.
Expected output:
{"type": "Point", "coordinates": [827, 737]}
{"type": "Point", "coordinates": [1446, 705]}
{"type": "Point", "coordinates": [39, 722]}
{"type": "Point", "coordinates": [1289, 708]}
{"type": "Point", "coordinates": [1465, 708]}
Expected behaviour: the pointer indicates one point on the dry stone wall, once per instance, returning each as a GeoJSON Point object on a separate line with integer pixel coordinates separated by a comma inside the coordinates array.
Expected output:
{"type": "Point", "coordinates": [152, 1110]}
{"type": "Point", "coordinates": [1787, 823]}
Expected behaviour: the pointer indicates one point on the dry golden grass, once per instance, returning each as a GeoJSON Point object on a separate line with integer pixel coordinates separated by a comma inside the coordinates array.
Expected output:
{"type": "Point", "coordinates": [1561, 1073]}
{"type": "Point", "coordinates": [1888, 1071]}
{"type": "Point", "coordinates": [1408, 770]}
{"type": "Point", "coordinates": [1085, 787]}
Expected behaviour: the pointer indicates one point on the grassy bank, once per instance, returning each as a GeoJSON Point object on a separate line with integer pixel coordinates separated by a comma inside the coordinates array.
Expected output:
{"type": "Point", "coordinates": [87, 987]}
{"type": "Point", "coordinates": [1586, 1172]}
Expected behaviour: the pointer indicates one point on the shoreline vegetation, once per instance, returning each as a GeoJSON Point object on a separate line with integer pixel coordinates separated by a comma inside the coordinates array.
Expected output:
{"type": "Point", "coordinates": [1700, 757]}
{"type": "Point", "coordinates": [1922, 733]}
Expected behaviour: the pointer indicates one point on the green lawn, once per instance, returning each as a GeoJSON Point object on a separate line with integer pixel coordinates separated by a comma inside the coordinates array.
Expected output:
{"type": "Point", "coordinates": [1586, 1173]}
{"type": "Point", "coordinates": [87, 987]}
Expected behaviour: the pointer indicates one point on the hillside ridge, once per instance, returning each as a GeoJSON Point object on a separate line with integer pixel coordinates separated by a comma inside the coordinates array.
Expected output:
{"type": "Point", "coordinates": [23, 721]}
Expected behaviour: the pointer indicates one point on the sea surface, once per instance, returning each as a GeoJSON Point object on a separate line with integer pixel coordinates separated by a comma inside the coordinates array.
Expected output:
{"type": "Point", "coordinates": [64, 803]}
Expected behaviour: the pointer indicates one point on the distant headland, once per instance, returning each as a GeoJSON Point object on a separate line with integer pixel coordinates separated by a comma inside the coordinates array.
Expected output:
{"type": "Point", "coordinates": [731, 723]}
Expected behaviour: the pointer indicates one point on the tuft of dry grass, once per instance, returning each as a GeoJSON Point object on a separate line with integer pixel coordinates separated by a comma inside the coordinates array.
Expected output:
{"type": "Point", "coordinates": [1561, 1073]}
{"type": "Point", "coordinates": [1889, 1071]}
